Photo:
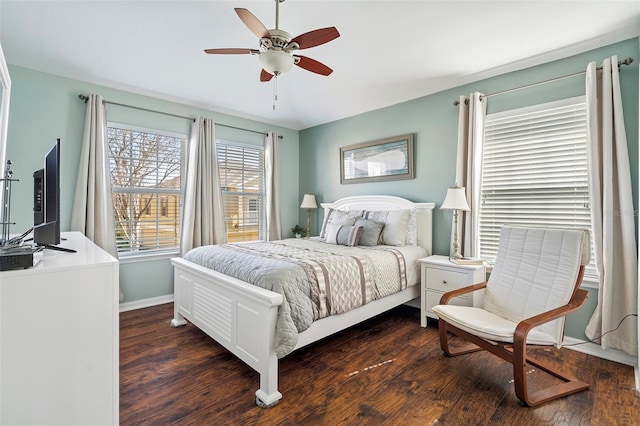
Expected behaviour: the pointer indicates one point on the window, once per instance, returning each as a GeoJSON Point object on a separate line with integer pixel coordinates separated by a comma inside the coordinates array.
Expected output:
{"type": "Point", "coordinates": [242, 179]}
{"type": "Point", "coordinates": [145, 179]}
{"type": "Point", "coordinates": [534, 171]}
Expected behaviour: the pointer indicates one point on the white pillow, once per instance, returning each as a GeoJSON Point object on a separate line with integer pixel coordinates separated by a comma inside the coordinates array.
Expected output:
{"type": "Point", "coordinates": [337, 217]}
{"type": "Point", "coordinates": [396, 226]}
{"type": "Point", "coordinates": [412, 228]}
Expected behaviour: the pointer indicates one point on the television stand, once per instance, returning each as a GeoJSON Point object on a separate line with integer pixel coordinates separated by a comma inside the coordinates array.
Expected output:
{"type": "Point", "coordinates": [60, 339]}
{"type": "Point", "coordinates": [52, 247]}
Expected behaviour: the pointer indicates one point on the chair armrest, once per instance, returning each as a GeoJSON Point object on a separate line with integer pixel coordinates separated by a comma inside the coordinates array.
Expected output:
{"type": "Point", "coordinates": [522, 330]}
{"type": "Point", "coordinates": [464, 290]}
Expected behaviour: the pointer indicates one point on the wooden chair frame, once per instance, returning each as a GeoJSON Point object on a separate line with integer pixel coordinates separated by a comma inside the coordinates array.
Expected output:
{"type": "Point", "coordinates": [516, 352]}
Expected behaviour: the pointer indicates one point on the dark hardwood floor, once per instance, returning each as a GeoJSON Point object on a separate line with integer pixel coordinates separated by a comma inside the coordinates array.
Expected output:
{"type": "Point", "coordinates": [388, 370]}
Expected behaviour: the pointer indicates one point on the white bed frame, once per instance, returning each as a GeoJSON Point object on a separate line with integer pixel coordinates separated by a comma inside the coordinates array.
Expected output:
{"type": "Point", "coordinates": [242, 317]}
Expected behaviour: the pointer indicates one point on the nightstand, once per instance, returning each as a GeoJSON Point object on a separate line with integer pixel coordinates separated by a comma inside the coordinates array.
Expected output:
{"type": "Point", "coordinates": [439, 275]}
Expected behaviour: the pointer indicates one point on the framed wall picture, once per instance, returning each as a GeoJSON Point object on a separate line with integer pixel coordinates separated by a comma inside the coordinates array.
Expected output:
{"type": "Point", "coordinates": [381, 160]}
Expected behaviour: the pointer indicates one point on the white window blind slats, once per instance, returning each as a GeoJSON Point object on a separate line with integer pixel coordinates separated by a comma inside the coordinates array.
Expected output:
{"type": "Point", "coordinates": [241, 169]}
{"type": "Point", "coordinates": [534, 171]}
{"type": "Point", "coordinates": [146, 185]}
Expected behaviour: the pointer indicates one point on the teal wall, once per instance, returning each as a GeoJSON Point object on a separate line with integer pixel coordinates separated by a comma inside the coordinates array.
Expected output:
{"type": "Point", "coordinates": [434, 121]}
{"type": "Point", "coordinates": [45, 107]}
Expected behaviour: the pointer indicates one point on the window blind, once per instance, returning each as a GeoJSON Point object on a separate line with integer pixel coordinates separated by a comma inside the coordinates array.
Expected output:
{"type": "Point", "coordinates": [534, 171]}
{"type": "Point", "coordinates": [145, 168]}
{"type": "Point", "coordinates": [243, 190]}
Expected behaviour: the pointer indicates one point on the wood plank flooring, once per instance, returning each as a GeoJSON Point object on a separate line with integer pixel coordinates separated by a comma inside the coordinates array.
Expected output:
{"type": "Point", "coordinates": [388, 370]}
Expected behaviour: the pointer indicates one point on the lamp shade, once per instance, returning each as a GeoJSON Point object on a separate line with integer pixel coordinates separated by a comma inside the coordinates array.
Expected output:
{"type": "Point", "coordinates": [309, 202]}
{"type": "Point", "coordinates": [455, 199]}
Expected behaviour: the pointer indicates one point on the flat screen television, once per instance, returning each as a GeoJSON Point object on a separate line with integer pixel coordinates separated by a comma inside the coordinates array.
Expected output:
{"type": "Point", "coordinates": [46, 201]}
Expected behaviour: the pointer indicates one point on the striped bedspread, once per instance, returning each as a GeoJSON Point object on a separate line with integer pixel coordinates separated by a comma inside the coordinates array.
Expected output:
{"type": "Point", "coordinates": [316, 279]}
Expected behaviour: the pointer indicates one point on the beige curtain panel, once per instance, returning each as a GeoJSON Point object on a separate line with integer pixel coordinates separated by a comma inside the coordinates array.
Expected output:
{"type": "Point", "coordinates": [471, 118]}
{"type": "Point", "coordinates": [612, 212]}
{"type": "Point", "coordinates": [92, 212]}
{"type": "Point", "coordinates": [203, 213]}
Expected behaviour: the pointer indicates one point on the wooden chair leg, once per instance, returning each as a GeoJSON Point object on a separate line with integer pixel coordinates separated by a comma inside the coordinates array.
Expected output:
{"type": "Point", "coordinates": [570, 385]}
{"type": "Point", "coordinates": [444, 342]}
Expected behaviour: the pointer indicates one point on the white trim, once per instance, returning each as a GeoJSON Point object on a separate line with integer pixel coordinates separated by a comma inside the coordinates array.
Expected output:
{"type": "Point", "coordinates": [146, 303]}
{"type": "Point", "coordinates": [145, 256]}
{"type": "Point", "coordinates": [595, 350]}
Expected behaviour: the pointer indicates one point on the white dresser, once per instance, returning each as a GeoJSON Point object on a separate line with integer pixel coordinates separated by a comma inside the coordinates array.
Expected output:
{"type": "Point", "coordinates": [439, 275]}
{"type": "Point", "coordinates": [59, 341]}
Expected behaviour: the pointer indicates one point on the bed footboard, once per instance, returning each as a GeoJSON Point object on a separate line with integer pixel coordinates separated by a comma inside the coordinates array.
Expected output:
{"type": "Point", "coordinates": [239, 316]}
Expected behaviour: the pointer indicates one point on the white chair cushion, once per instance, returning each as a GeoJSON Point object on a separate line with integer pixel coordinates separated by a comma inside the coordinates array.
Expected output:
{"type": "Point", "coordinates": [484, 324]}
{"type": "Point", "coordinates": [535, 271]}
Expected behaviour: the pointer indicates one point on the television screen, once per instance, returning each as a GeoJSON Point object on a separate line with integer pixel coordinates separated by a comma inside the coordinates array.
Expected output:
{"type": "Point", "coordinates": [46, 209]}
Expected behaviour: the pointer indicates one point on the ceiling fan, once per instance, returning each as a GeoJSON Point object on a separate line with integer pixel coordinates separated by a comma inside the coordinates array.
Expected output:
{"type": "Point", "coordinates": [277, 47]}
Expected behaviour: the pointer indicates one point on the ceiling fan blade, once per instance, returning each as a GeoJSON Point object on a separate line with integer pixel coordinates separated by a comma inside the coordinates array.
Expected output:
{"type": "Point", "coordinates": [316, 37]}
{"type": "Point", "coordinates": [252, 23]}
{"type": "Point", "coordinates": [265, 76]}
{"type": "Point", "coordinates": [313, 65]}
{"type": "Point", "coordinates": [231, 51]}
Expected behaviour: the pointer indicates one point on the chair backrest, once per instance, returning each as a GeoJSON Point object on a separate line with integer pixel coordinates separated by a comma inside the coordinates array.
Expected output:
{"type": "Point", "coordinates": [535, 271]}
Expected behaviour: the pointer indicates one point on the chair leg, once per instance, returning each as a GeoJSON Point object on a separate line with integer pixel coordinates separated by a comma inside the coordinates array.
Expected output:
{"type": "Point", "coordinates": [570, 385]}
{"type": "Point", "coordinates": [444, 342]}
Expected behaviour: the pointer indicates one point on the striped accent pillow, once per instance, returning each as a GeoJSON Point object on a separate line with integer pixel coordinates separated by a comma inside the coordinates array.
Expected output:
{"type": "Point", "coordinates": [345, 235]}
{"type": "Point", "coordinates": [337, 217]}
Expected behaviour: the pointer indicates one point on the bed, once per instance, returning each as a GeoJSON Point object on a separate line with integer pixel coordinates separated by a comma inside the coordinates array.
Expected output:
{"type": "Point", "coordinates": [243, 317]}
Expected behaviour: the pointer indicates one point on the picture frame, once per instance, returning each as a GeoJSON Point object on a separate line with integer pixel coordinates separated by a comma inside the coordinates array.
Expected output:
{"type": "Point", "coordinates": [376, 161]}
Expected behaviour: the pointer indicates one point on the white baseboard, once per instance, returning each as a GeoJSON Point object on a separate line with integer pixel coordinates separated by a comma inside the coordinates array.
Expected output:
{"type": "Point", "coordinates": [145, 303]}
{"type": "Point", "coordinates": [595, 350]}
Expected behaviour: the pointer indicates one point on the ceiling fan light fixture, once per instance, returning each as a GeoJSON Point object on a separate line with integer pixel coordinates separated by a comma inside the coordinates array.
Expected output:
{"type": "Point", "coordinates": [276, 62]}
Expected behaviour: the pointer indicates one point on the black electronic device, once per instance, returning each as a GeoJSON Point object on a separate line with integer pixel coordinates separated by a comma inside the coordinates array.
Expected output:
{"type": "Point", "coordinates": [16, 258]}
{"type": "Point", "coordinates": [46, 205]}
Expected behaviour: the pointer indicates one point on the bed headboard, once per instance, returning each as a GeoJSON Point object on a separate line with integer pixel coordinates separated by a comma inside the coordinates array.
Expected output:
{"type": "Point", "coordinates": [424, 217]}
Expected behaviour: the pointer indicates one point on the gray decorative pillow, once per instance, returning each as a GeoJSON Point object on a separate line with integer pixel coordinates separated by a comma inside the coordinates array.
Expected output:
{"type": "Point", "coordinates": [345, 235]}
{"type": "Point", "coordinates": [337, 217]}
{"type": "Point", "coordinates": [370, 233]}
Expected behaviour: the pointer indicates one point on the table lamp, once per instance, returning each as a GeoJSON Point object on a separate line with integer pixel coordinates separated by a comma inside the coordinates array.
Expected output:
{"type": "Point", "coordinates": [456, 201]}
{"type": "Point", "coordinates": [308, 202]}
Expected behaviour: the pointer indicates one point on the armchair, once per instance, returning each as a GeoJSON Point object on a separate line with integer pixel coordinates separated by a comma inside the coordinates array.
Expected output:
{"type": "Point", "coordinates": [533, 286]}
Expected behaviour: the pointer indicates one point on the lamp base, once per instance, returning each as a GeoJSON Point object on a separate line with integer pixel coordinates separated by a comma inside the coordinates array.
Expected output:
{"type": "Point", "coordinates": [456, 240]}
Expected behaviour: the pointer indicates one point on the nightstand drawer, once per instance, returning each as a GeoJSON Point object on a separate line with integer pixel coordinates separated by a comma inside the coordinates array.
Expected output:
{"type": "Point", "coordinates": [433, 299]}
{"type": "Point", "coordinates": [438, 279]}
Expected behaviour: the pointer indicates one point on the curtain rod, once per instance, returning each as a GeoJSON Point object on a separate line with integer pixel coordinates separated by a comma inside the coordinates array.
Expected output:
{"type": "Point", "coordinates": [85, 98]}
{"type": "Point", "coordinates": [626, 61]}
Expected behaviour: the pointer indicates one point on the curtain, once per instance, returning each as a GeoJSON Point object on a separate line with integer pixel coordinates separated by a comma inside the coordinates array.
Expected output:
{"type": "Point", "coordinates": [471, 115]}
{"type": "Point", "coordinates": [274, 230]}
{"type": "Point", "coordinates": [612, 212]}
{"type": "Point", "coordinates": [92, 212]}
{"type": "Point", "coordinates": [203, 213]}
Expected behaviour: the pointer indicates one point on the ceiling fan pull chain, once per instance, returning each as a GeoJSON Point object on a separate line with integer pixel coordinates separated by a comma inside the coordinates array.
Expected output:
{"type": "Point", "coordinates": [275, 91]}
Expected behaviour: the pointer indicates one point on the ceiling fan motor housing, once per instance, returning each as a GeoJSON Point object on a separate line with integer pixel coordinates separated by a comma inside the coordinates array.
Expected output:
{"type": "Point", "coordinates": [279, 40]}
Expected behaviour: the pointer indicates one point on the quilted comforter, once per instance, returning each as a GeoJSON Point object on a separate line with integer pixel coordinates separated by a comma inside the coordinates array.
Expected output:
{"type": "Point", "coordinates": [315, 279]}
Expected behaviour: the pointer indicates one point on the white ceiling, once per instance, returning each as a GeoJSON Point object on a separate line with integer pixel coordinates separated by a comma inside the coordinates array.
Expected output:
{"type": "Point", "coordinates": [388, 51]}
